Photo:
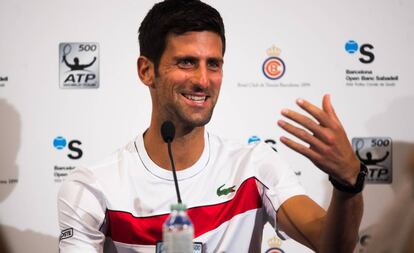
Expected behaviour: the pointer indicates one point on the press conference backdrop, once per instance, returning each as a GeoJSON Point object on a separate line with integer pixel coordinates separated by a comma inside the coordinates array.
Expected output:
{"type": "Point", "coordinates": [70, 95]}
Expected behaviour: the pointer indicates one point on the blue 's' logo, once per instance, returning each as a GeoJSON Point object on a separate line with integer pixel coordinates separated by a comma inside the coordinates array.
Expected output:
{"type": "Point", "coordinates": [364, 49]}
{"type": "Point", "coordinates": [73, 146]}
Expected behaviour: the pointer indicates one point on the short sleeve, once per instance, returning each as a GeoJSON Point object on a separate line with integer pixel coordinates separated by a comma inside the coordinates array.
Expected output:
{"type": "Point", "coordinates": [279, 181]}
{"type": "Point", "coordinates": [81, 213]}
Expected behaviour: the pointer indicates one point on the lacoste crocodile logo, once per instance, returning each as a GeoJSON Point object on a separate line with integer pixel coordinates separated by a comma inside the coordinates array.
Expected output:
{"type": "Point", "coordinates": [225, 191]}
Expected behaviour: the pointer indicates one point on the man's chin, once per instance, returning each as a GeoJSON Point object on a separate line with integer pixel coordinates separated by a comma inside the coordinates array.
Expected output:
{"type": "Point", "coordinates": [196, 122]}
{"type": "Point", "coordinates": [199, 123]}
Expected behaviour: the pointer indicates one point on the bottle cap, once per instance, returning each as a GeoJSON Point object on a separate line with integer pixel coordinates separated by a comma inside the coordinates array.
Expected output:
{"type": "Point", "coordinates": [178, 207]}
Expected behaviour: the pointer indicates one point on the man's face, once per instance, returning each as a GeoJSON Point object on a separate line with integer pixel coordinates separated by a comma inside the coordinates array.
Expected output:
{"type": "Point", "coordinates": [189, 78]}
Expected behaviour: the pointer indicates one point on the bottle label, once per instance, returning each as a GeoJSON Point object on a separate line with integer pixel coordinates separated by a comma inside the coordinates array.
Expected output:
{"type": "Point", "coordinates": [197, 247]}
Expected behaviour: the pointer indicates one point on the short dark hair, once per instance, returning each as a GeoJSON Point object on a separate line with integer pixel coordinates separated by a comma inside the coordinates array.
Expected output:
{"type": "Point", "coordinates": [176, 17]}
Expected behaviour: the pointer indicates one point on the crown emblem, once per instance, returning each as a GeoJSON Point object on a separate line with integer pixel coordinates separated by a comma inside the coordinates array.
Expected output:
{"type": "Point", "coordinates": [274, 242]}
{"type": "Point", "coordinates": [273, 51]}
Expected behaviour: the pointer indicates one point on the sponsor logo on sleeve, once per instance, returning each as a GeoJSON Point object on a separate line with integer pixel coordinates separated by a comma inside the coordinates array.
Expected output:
{"type": "Point", "coordinates": [65, 234]}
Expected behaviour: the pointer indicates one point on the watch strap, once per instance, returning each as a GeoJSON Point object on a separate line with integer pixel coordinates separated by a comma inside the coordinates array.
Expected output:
{"type": "Point", "coordinates": [359, 185]}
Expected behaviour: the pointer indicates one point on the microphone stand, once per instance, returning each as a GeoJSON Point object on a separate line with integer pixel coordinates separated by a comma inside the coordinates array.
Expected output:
{"type": "Point", "coordinates": [168, 133]}
{"type": "Point", "coordinates": [174, 173]}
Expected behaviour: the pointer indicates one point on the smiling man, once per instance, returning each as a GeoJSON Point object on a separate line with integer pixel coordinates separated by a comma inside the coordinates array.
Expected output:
{"type": "Point", "coordinates": [231, 190]}
{"type": "Point", "coordinates": [184, 88]}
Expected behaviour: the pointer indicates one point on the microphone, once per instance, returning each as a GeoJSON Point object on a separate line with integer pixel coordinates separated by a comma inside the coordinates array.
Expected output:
{"type": "Point", "coordinates": [168, 131]}
{"type": "Point", "coordinates": [168, 134]}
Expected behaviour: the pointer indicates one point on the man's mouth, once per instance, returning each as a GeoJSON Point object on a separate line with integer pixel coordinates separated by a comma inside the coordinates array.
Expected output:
{"type": "Point", "coordinates": [195, 98]}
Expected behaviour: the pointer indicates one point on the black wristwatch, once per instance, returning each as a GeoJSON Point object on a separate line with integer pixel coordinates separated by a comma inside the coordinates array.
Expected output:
{"type": "Point", "coordinates": [359, 185]}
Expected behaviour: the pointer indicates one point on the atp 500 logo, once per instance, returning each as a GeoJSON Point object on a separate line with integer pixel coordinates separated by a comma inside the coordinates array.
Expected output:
{"type": "Point", "coordinates": [376, 154]}
{"type": "Point", "coordinates": [75, 152]}
{"type": "Point", "coordinates": [79, 65]}
{"type": "Point", "coordinates": [365, 50]}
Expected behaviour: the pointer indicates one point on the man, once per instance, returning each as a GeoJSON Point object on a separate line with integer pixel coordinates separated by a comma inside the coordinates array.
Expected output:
{"type": "Point", "coordinates": [128, 196]}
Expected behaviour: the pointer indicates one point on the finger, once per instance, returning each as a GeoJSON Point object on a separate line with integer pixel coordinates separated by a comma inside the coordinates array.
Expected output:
{"type": "Point", "coordinates": [318, 131]}
{"type": "Point", "coordinates": [315, 111]}
{"type": "Point", "coordinates": [304, 121]}
{"type": "Point", "coordinates": [307, 152]}
{"type": "Point", "coordinates": [302, 135]}
{"type": "Point", "coordinates": [327, 106]}
{"type": "Point", "coordinates": [319, 159]}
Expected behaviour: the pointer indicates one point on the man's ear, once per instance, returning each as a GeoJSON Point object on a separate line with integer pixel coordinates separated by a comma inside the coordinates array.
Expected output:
{"type": "Point", "coordinates": [146, 71]}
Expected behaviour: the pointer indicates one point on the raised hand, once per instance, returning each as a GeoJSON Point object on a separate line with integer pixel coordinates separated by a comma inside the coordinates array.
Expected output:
{"type": "Point", "coordinates": [327, 146]}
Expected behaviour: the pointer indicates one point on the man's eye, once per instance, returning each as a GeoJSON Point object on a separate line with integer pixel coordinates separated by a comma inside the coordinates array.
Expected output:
{"type": "Point", "coordinates": [214, 65]}
{"type": "Point", "coordinates": [185, 63]}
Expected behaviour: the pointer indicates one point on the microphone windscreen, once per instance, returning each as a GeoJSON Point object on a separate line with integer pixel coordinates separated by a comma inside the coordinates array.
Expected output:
{"type": "Point", "coordinates": [167, 131]}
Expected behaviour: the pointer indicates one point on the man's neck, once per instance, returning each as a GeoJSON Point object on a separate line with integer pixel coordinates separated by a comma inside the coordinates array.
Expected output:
{"type": "Point", "coordinates": [186, 148]}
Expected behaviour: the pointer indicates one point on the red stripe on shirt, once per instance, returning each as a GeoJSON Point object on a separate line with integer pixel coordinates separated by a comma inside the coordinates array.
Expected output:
{"type": "Point", "coordinates": [124, 227]}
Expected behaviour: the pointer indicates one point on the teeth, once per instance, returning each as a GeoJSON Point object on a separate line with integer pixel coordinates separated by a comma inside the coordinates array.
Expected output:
{"type": "Point", "coordinates": [196, 98]}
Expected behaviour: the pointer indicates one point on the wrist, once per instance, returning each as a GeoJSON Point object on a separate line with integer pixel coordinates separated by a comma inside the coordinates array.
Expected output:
{"type": "Point", "coordinates": [353, 186]}
{"type": "Point", "coordinates": [351, 177]}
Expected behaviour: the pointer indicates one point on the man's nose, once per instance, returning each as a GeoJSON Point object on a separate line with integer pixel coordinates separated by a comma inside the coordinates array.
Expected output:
{"type": "Point", "coordinates": [201, 76]}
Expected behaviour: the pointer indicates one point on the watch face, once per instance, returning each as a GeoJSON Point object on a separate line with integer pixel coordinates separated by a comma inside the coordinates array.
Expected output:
{"type": "Point", "coordinates": [376, 154]}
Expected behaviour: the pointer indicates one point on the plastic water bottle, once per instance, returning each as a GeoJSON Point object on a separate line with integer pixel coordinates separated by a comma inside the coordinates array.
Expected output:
{"type": "Point", "coordinates": [178, 231]}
